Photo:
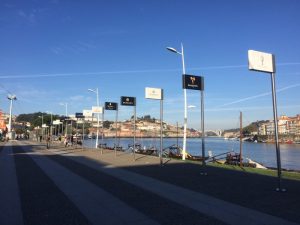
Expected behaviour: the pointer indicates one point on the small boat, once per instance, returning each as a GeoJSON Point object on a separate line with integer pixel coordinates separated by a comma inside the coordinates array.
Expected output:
{"type": "Point", "coordinates": [256, 164]}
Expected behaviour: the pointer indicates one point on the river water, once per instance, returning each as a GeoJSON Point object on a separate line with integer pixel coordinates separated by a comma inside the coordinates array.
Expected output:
{"type": "Point", "coordinates": [263, 153]}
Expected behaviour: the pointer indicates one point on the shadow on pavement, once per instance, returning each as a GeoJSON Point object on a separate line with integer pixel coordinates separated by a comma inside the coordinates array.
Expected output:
{"type": "Point", "coordinates": [242, 188]}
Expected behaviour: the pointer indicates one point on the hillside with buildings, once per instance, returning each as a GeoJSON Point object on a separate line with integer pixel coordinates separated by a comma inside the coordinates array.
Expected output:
{"type": "Point", "coordinates": [144, 128]}
{"type": "Point", "coordinates": [288, 129]}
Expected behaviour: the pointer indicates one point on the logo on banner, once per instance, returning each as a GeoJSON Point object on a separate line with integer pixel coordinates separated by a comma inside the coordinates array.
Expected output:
{"type": "Point", "coordinates": [128, 101]}
{"type": "Point", "coordinates": [193, 79]}
{"type": "Point", "coordinates": [111, 106]}
{"type": "Point", "coordinates": [192, 82]}
{"type": "Point", "coordinates": [153, 93]}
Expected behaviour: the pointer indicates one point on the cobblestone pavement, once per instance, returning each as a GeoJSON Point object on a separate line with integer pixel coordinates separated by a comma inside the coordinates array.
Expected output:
{"type": "Point", "coordinates": [82, 186]}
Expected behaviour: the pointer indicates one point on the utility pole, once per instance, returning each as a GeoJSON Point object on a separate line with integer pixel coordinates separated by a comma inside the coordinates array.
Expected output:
{"type": "Point", "coordinates": [241, 139]}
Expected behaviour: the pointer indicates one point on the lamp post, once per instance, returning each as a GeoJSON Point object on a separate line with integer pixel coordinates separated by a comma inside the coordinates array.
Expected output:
{"type": "Point", "coordinates": [97, 95]}
{"type": "Point", "coordinates": [66, 105]}
{"type": "Point", "coordinates": [185, 100]}
{"type": "Point", "coordinates": [42, 117]}
{"type": "Point", "coordinates": [51, 123]}
{"type": "Point", "coordinates": [11, 98]}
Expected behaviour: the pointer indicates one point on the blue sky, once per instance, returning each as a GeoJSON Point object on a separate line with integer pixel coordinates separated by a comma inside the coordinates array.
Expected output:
{"type": "Point", "coordinates": [51, 52]}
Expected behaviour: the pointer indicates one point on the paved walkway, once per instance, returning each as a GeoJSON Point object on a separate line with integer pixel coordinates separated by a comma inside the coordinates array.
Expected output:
{"type": "Point", "coordinates": [79, 186]}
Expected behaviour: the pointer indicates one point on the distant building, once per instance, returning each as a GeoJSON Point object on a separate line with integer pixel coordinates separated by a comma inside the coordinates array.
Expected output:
{"type": "Point", "coordinates": [2, 122]}
{"type": "Point", "coordinates": [286, 126]}
{"type": "Point", "coordinates": [262, 129]}
{"type": "Point", "coordinates": [294, 125]}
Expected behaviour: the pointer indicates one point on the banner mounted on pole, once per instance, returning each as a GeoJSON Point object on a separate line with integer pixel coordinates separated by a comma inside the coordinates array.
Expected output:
{"type": "Point", "coordinates": [87, 113]}
{"type": "Point", "coordinates": [64, 118]}
{"type": "Point", "coordinates": [128, 101]}
{"type": "Point", "coordinates": [192, 82]}
{"type": "Point", "coordinates": [111, 106]}
{"type": "Point", "coordinates": [97, 109]}
{"type": "Point", "coordinates": [154, 93]}
{"type": "Point", "coordinates": [79, 115]}
{"type": "Point", "coordinates": [261, 61]}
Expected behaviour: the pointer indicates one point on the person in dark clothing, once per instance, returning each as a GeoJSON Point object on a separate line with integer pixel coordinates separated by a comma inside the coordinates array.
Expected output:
{"type": "Point", "coordinates": [72, 140]}
{"type": "Point", "coordinates": [48, 142]}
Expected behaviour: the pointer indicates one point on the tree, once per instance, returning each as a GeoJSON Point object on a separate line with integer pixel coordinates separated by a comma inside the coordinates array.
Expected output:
{"type": "Point", "coordinates": [35, 118]}
{"type": "Point", "coordinates": [106, 124]}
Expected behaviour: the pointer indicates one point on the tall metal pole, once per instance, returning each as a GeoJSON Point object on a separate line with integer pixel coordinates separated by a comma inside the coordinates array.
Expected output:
{"type": "Point", "coordinates": [102, 127]}
{"type": "Point", "coordinates": [42, 127]}
{"type": "Point", "coordinates": [82, 134]}
{"type": "Point", "coordinates": [10, 112]}
{"type": "Point", "coordinates": [66, 128]}
{"type": "Point", "coordinates": [62, 128]}
{"type": "Point", "coordinates": [76, 133]}
{"type": "Point", "coordinates": [279, 188]}
{"type": "Point", "coordinates": [116, 122]}
{"type": "Point", "coordinates": [71, 130]}
{"type": "Point", "coordinates": [134, 131]}
{"type": "Point", "coordinates": [185, 108]}
{"type": "Point", "coordinates": [203, 134]}
{"type": "Point", "coordinates": [241, 139]}
{"type": "Point", "coordinates": [51, 129]}
{"type": "Point", "coordinates": [102, 130]}
{"type": "Point", "coordinates": [161, 132]}
{"type": "Point", "coordinates": [98, 119]}
{"type": "Point", "coordinates": [185, 100]}
{"type": "Point", "coordinates": [177, 136]}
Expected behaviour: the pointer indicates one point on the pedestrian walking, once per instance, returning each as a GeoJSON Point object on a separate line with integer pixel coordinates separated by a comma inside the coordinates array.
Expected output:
{"type": "Point", "coordinates": [48, 142]}
{"type": "Point", "coordinates": [72, 140]}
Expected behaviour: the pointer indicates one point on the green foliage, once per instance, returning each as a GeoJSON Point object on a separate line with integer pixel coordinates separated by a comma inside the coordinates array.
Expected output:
{"type": "Point", "coordinates": [147, 118]}
{"type": "Point", "coordinates": [106, 124]}
{"type": "Point", "coordinates": [250, 128]}
{"type": "Point", "coordinates": [35, 119]}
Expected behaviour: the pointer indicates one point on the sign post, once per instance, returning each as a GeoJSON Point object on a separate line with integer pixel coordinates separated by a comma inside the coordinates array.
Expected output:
{"type": "Point", "coordinates": [265, 62]}
{"type": "Point", "coordinates": [87, 113]}
{"type": "Point", "coordinates": [197, 83]}
{"type": "Point", "coordinates": [98, 110]}
{"type": "Point", "coordinates": [157, 94]}
{"type": "Point", "coordinates": [113, 106]}
{"type": "Point", "coordinates": [79, 116]}
{"type": "Point", "coordinates": [131, 101]}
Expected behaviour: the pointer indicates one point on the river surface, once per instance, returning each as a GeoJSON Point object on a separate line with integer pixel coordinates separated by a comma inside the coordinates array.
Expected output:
{"type": "Point", "coordinates": [263, 153]}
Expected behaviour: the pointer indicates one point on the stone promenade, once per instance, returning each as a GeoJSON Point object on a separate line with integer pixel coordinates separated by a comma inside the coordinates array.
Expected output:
{"type": "Point", "coordinates": [66, 186]}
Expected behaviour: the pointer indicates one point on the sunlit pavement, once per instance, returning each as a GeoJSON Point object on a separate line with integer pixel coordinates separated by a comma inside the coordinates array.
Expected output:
{"type": "Point", "coordinates": [82, 186]}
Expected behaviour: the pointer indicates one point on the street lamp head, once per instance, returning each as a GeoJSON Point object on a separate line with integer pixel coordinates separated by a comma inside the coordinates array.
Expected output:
{"type": "Point", "coordinates": [191, 106]}
{"type": "Point", "coordinates": [12, 97]}
{"type": "Point", "coordinates": [91, 90]}
{"type": "Point", "coordinates": [63, 104]}
{"type": "Point", "coordinates": [173, 50]}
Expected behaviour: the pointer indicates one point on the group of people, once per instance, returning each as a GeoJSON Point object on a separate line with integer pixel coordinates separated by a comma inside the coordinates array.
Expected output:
{"type": "Point", "coordinates": [69, 140]}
